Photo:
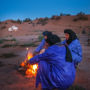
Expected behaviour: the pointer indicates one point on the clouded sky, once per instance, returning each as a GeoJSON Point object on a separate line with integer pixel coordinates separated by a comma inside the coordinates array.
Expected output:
{"type": "Point", "coordinates": [21, 9]}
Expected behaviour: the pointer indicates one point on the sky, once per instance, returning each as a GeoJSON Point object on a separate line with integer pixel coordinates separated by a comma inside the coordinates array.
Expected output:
{"type": "Point", "coordinates": [21, 9]}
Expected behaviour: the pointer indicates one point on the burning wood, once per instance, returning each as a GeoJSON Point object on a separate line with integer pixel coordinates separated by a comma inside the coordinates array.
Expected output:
{"type": "Point", "coordinates": [30, 70]}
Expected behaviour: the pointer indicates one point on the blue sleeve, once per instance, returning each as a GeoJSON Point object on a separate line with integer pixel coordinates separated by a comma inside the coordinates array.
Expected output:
{"type": "Point", "coordinates": [39, 57]}
{"type": "Point", "coordinates": [40, 46]}
{"type": "Point", "coordinates": [76, 51]}
{"type": "Point", "coordinates": [77, 56]}
{"type": "Point", "coordinates": [63, 42]}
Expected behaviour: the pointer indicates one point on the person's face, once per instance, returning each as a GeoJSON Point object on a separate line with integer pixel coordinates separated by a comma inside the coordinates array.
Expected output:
{"type": "Point", "coordinates": [66, 36]}
{"type": "Point", "coordinates": [45, 37]}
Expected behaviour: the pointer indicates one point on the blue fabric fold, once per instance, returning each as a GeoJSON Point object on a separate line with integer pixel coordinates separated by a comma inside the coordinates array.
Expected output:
{"type": "Point", "coordinates": [76, 50]}
{"type": "Point", "coordinates": [40, 46]}
{"type": "Point", "coordinates": [53, 69]}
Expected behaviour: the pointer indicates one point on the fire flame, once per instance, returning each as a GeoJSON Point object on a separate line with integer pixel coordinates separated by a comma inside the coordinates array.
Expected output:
{"type": "Point", "coordinates": [31, 70]}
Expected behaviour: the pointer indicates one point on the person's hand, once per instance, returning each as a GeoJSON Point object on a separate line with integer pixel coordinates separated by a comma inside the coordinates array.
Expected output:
{"type": "Point", "coordinates": [42, 51]}
{"type": "Point", "coordinates": [35, 53]}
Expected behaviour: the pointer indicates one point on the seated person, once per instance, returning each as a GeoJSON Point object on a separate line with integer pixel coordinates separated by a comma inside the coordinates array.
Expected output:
{"type": "Point", "coordinates": [74, 45]}
{"type": "Point", "coordinates": [55, 70]}
{"type": "Point", "coordinates": [42, 44]}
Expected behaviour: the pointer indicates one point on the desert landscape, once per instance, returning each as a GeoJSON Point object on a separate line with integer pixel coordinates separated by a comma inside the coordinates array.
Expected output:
{"type": "Point", "coordinates": [15, 40]}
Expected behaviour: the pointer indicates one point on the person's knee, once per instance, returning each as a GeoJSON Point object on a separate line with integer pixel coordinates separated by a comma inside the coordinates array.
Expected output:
{"type": "Point", "coordinates": [42, 65]}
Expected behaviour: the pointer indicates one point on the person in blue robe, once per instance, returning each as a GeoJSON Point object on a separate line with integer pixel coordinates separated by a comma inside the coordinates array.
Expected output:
{"type": "Point", "coordinates": [55, 70]}
{"type": "Point", "coordinates": [74, 45]}
{"type": "Point", "coordinates": [41, 45]}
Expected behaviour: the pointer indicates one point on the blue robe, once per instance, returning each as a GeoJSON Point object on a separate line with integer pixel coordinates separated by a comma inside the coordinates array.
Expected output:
{"type": "Point", "coordinates": [53, 69]}
{"type": "Point", "coordinates": [76, 50]}
{"type": "Point", "coordinates": [40, 46]}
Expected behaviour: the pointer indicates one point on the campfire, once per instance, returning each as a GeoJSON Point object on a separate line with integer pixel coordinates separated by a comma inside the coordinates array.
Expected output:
{"type": "Point", "coordinates": [30, 70]}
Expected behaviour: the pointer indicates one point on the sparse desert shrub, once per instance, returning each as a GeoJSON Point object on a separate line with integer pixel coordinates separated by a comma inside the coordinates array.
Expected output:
{"type": "Point", "coordinates": [55, 17]}
{"type": "Point", "coordinates": [75, 19]}
{"type": "Point", "coordinates": [30, 22]}
{"type": "Point", "coordinates": [27, 20]}
{"type": "Point", "coordinates": [62, 14]}
{"type": "Point", "coordinates": [19, 21]}
{"type": "Point", "coordinates": [38, 30]}
{"type": "Point", "coordinates": [68, 14]}
{"type": "Point", "coordinates": [10, 35]}
{"type": "Point", "coordinates": [6, 23]}
{"type": "Point", "coordinates": [13, 21]}
{"type": "Point", "coordinates": [3, 27]}
{"type": "Point", "coordinates": [40, 38]}
{"type": "Point", "coordinates": [46, 18]}
{"type": "Point", "coordinates": [42, 21]}
{"type": "Point", "coordinates": [83, 32]}
{"type": "Point", "coordinates": [9, 45]}
{"type": "Point", "coordinates": [13, 39]}
{"type": "Point", "coordinates": [88, 41]}
{"type": "Point", "coordinates": [8, 55]}
{"type": "Point", "coordinates": [29, 45]}
{"type": "Point", "coordinates": [80, 16]}
{"type": "Point", "coordinates": [1, 41]}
